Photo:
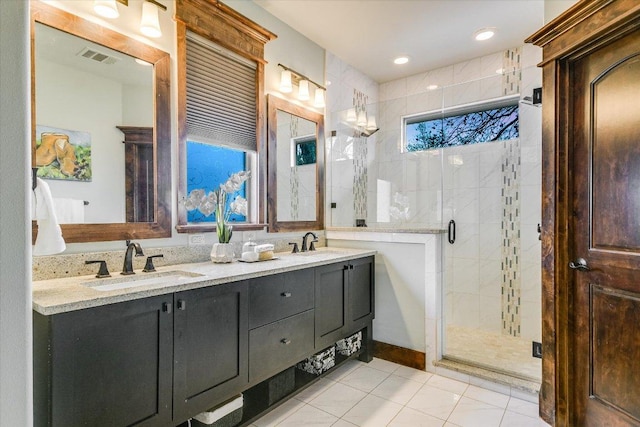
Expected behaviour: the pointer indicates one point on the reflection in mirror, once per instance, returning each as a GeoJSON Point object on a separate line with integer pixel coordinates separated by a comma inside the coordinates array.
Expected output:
{"type": "Point", "coordinates": [101, 129]}
{"type": "Point", "coordinates": [83, 92]}
{"type": "Point", "coordinates": [296, 150]}
{"type": "Point", "coordinates": [296, 167]}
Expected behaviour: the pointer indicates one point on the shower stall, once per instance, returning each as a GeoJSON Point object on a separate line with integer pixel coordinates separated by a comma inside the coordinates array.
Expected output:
{"type": "Point", "coordinates": [484, 196]}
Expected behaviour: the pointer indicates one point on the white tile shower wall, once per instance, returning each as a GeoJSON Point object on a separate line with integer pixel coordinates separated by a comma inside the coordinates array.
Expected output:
{"type": "Point", "coordinates": [347, 159]}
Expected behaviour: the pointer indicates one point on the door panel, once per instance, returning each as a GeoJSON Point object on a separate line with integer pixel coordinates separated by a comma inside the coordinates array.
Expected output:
{"type": "Point", "coordinates": [604, 321]}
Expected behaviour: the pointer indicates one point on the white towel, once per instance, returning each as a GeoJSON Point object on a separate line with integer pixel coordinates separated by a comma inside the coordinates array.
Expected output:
{"type": "Point", "coordinates": [49, 240]}
{"type": "Point", "coordinates": [69, 211]}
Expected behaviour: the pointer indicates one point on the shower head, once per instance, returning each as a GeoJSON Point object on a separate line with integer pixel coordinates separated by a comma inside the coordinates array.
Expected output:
{"type": "Point", "coordinates": [368, 132]}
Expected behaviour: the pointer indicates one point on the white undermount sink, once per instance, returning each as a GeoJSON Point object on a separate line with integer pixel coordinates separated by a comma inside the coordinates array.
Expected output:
{"type": "Point", "coordinates": [157, 280]}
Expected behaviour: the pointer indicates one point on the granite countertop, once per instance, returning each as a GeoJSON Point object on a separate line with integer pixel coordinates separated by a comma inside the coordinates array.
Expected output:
{"type": "Point", "coordinates": [72, 293]}
{"type": "Point", "coordinates": [378, 229]}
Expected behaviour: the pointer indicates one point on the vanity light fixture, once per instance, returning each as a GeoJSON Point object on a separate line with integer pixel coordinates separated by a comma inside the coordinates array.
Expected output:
{"type": "Point", "coordinates": [289, 77]}
{"type": "Point", "coordinates": [150, 22]}
{"type": "Point", "coordinates": [285, 82]}
{"type": "Point", "coordinates": [303, 90]}
{"type": "Point", "coordinates": [106, 8]}
{"type": "Point", "coordinates": [484, 33]}
{"type": "Point", "coordinates": [319, 101]}
{"type": "Point", "coordinates": [362, 119]}
{"type": "Point", "coordinates": [351, 115]}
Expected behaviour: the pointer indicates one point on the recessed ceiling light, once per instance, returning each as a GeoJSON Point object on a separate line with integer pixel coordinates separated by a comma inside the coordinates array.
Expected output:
{"type": "Point", "coordinates": [401, 60]}
{"type": "Point", "coordinates": [484, 33]}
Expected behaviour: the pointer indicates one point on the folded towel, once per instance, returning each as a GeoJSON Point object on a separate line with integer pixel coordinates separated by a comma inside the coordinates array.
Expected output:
{"type": "Point", "coordinates": [49, 240]}
{"type": "Point", "coordinates": [69, 211]}
{"type": "Point", "coordinates": [264, 248]}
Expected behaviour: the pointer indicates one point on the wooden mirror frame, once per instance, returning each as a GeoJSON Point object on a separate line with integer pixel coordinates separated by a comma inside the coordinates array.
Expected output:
{"type": "Point", "coordinates": [275, 104]}
{"type": "Point", "coordinates": [72, 24]}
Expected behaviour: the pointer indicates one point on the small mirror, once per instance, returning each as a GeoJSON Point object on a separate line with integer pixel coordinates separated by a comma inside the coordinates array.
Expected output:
{"type": "Point", "coordinates": [296, 167]}
{"type": "Point", "coordinates": [101, 130]}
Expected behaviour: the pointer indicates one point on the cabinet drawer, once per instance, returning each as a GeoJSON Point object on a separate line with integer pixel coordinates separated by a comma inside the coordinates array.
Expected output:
{"type": "Point", "coordinates": [279, 296]}
{"type": "Point", "coordinates": [279, 345]}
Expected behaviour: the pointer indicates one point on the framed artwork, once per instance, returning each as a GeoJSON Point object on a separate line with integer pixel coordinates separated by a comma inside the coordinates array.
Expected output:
{"type": "Point", "coordinates": [63, 154]}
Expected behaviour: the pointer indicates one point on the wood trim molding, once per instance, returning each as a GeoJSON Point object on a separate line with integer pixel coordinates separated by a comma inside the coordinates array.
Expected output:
{"type": "Point", "coordinates": [400, 355]}
{"type": "Point", "coordinates": [221, 24]}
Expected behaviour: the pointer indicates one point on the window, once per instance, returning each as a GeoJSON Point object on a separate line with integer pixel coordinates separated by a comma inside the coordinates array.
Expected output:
{"type": "Point", "coordinates": [489, 122]}
{"type": "Point", "coordinates": [220, 59]}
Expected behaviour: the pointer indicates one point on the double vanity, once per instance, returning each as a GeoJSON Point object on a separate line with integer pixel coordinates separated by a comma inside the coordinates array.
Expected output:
{"type": "Point", "coordinates": [156, 349]}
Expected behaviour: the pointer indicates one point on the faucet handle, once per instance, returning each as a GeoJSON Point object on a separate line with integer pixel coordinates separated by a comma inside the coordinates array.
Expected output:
{"type": "Point", "coordinates": [103, 271]}
{"type": "Point", "coordinates": [312, 247]}
{"type": "Point", "coordinates": [149, 267]}
{"type": "Point", "coordinates": [295, 247]}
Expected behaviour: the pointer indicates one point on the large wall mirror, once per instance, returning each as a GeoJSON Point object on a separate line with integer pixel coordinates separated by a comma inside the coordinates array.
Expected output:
{"type": "Point", "coordinates": [101, 128]}
{"type": "Point", "coordinates": [295, 195]}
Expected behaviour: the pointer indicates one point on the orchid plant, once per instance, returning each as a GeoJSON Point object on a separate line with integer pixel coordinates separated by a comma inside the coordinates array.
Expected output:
{"type": "Point", "coordinates": [222, 202]}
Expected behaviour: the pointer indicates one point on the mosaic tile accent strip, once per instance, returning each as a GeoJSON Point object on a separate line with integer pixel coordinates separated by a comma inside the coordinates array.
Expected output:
{"type": "Point", "coordinates": [511, 274]}
{"type": "Point", "coordinates": [360, 173]}
{"type": "Point", "coordinates": [294, 184]}
{"type": "Point", "coordinates": [511, 71]}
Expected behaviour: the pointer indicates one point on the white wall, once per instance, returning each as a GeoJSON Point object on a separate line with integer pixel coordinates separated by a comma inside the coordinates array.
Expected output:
{"type": "Point", "coordinates": [15, 228]}
{"type": "Point", "coordinates": [553, 8]}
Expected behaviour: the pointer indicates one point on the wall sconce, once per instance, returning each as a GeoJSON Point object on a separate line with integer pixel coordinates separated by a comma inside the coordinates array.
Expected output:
{"type": "Point", "coordinates": [289, 77]}
{"type": "Point", "coordinates": [149, 24]}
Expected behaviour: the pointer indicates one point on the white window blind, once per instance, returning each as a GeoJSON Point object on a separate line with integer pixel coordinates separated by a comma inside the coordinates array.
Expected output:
{"type": "Point", "coordinates": [221, 96]}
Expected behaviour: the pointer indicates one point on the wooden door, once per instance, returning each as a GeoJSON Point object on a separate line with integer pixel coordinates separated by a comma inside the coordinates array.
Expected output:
{"type": "Point", "coordinates": [604, 309]}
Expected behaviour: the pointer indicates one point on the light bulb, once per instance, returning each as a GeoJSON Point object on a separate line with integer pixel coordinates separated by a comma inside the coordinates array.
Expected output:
{"type": "Point", "coordinates": [150, 24]}
{"type": "Point", "coordinates": [303, 90]}
{"type": "Point", "coordinates": [285, 82]}
{"type": "Point", "coordinates": [106, 8]}
{"type": "Point", "coordinates": [318, 101]}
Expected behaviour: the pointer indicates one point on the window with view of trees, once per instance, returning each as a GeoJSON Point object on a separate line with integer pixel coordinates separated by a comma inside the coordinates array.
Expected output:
{"type": "Point", "coordinates": [491, 124]}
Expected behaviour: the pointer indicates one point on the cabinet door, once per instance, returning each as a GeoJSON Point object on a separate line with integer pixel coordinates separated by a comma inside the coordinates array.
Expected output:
{"type": "Point", "coordinates": [361, 293]}
{"type": "Point", "coordinates": [331, 303]}
{"type": "Point", "coordinates": [210, 347]}
{"type": "Point", "coordinates": [109, 365]}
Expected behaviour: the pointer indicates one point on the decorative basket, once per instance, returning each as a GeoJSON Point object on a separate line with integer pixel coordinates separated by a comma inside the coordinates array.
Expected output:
{"type": "Point", "coordinates": [319, 362]}
{"type": "Point", "coordinates": [350, 345]}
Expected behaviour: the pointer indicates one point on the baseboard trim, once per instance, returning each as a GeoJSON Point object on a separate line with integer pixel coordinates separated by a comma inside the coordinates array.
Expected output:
{"type": "Point", "coordinates": [400, 355]}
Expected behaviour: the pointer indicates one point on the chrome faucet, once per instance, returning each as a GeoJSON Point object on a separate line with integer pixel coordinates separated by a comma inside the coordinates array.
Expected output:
{"type": "Point", "coordinates": [304, 242]}
{"type": "Point", "coordinates": [127, 268]}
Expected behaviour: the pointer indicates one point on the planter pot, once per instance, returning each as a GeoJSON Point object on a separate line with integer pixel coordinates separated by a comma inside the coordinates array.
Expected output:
{"type": "Point", "coordinates": [222, 252]}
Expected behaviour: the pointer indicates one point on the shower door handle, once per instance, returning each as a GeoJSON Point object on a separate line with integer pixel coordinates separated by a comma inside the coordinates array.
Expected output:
{"type": "Point", "coordinates": [452, 232]}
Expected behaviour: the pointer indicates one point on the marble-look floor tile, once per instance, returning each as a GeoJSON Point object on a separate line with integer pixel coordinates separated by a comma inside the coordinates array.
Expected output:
{"type": "Point", "coordinates": [344, 370]}
{"type": "Point", "coordinates": [512, 419]}
{"type": "Point", "coordinates": [314, 390]}
{"type": "Point", "coordinates": [364, 378]}
{"type": "Point", "coordinates": [383, 365]}
{"type": "Point", "coordinates": [282, 412]}
{"type": "Point", "coordinates": [372, 411]}
{"type": "Point", "coordinates": [412, 374]}
{"type": "Point", "coordinates": [397, 389]}
{"type": "Point", "coordinates": [308, 416]}
{"type": "Point", "coordinates": [338, 399]}
{"type": "Point", "coordinates": [471, 413]}
{"type": "Point", "coordinates": [408, 417]}
{"type": "Point", "coordinates": [523, 407]}
{"type": "Point", "coordinates": [487, 396]}
{"type": "Point", "coordinates": [448, 384]}
{"type": "Point", "coordinates": [434, 401]}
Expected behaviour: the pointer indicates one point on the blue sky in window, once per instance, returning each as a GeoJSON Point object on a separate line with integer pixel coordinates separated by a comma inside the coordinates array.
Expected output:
{"type": "Point", "coordinates": [210, 166]}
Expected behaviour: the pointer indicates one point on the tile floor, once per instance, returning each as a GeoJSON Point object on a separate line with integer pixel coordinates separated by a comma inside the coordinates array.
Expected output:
{"type": "Point", "coordinates": [382, 393]}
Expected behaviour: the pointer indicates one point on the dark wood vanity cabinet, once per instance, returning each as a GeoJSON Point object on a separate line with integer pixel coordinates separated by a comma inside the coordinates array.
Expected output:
{"type": "Point", "coordinates": [158, 361]}
{"type": "Point", "coordinates": [210, 347]}
{"type": "Point", "coordinates": [109, 365]}
{"type": "Point", "coordinates": [344, 299]}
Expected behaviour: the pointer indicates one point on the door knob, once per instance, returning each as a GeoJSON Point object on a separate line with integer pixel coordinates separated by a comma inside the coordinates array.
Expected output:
{"type": "Point", "coordinates": [579, 264]}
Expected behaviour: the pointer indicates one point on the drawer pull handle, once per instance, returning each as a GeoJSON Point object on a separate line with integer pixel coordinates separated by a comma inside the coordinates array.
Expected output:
{"type": "Point", "coordinates": [286, 294]}
{"type": "Point", "coordinates": [182, 304]}
{"type": "Point", "coordinates": [166, 307]}
{"type": "Point", "coordinates": [285, 341]}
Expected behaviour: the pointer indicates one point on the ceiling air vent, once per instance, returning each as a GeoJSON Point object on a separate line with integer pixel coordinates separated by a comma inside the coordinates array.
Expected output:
{"type": "Point", "coordinates": [94, 55]}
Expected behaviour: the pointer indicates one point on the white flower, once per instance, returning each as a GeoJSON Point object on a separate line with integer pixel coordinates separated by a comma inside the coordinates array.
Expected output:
{"type": "Point", "coordinates": [239, 206]}
{"type": "Point", "coordinates": [194, 199]}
